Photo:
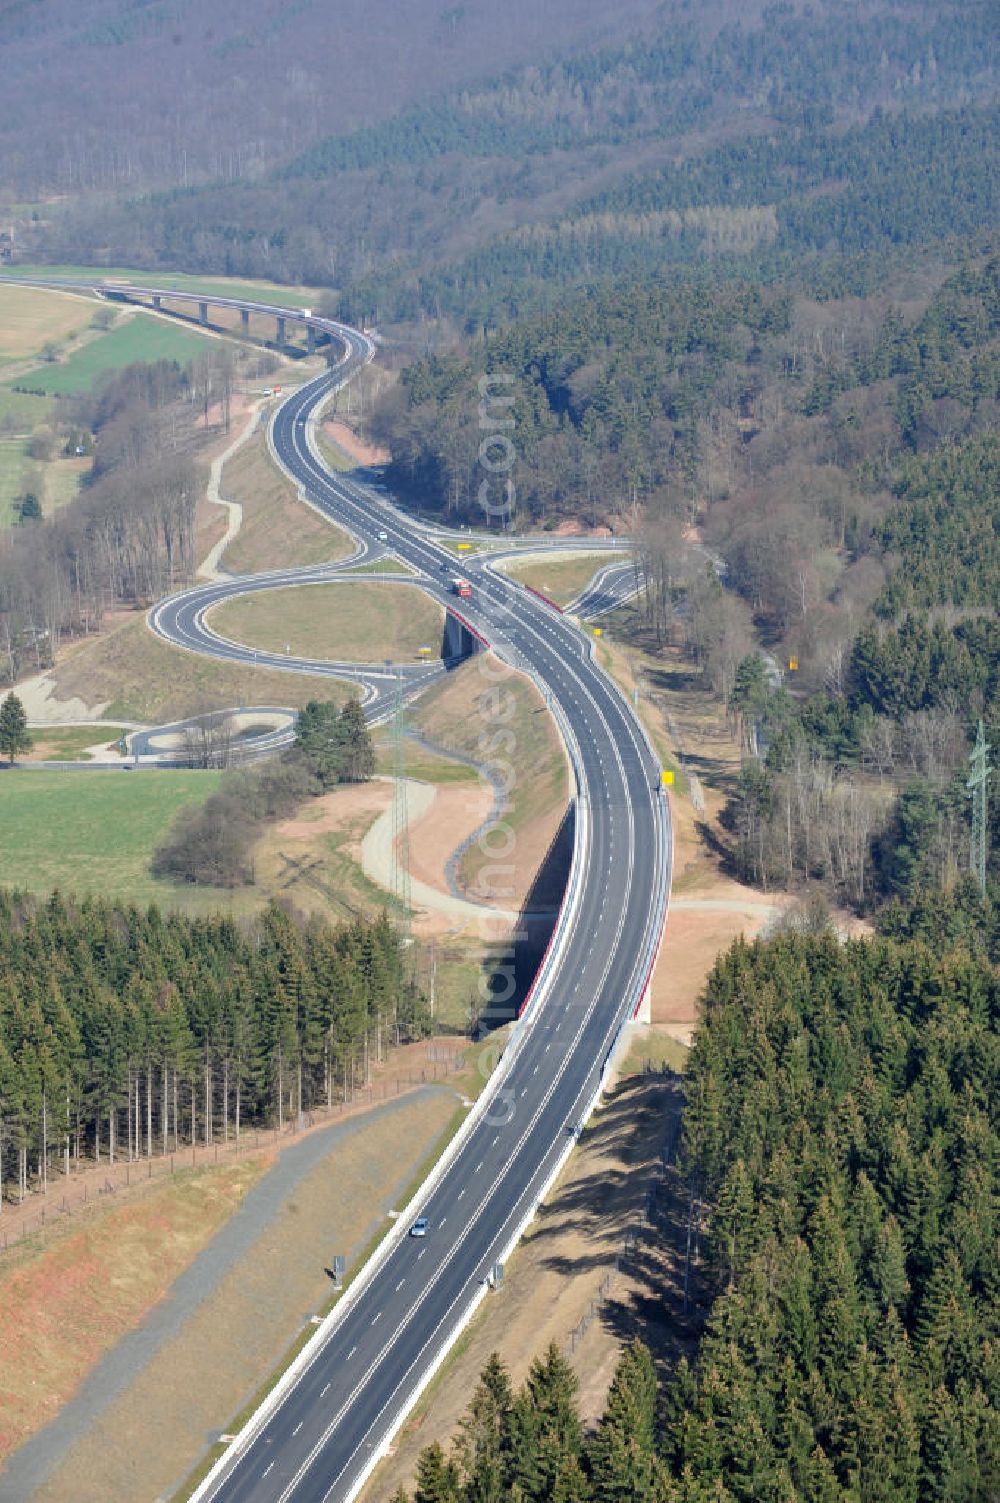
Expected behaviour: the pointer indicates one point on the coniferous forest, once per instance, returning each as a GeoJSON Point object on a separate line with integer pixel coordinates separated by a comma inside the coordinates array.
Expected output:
{"type": "Point", "coordinates": [127, 1033]}
{"type": "Point", "coordinates": [841, 1134]}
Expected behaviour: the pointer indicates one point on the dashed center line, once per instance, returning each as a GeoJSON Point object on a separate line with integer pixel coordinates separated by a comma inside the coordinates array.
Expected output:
{"type": "Point", "coordinates": [298, 1427]}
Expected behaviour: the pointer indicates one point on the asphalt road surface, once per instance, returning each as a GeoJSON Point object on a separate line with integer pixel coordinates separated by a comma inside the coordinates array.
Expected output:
{"type": "Point", "coordinates": [336, 1418]}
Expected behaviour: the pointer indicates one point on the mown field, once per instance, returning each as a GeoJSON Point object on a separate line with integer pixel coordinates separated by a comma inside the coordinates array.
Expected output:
{"type": "Point", "coordinates": [95, 832]}
{"type": "Point", "coordinates": [359, 622]}
{"type": "Point", "coordinates": [138, 338]}
{"type": "Point", "coordinates": [30, 319]}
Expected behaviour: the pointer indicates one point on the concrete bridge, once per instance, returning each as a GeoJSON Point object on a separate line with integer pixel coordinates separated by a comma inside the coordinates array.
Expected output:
{"type": "Point", "coordinates": [317, 329]}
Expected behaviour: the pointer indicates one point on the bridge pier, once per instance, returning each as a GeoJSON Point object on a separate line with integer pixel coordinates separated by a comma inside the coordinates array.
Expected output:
{"type": "Point", "coordinates": [310, 339]}
{"type": "Point", "coordinates": [279, 336]}
{"type": "Point", "coordinates": [157, 300]}
{"type": "Point", "coordinates": [203, 313]}
{"type": "Point", "coordinates": [245, 320]}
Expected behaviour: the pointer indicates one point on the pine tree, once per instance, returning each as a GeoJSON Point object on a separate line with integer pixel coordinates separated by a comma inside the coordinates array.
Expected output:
{"type": "Point", "coordinates": [14, 736]}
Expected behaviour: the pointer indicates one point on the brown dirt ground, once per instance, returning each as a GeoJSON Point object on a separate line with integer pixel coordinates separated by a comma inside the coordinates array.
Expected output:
{"type": "Point", "coordinates": [556, 1273]}
{"type": "Point", "coordinates": [194, 1386]}
{"type": "Point", "coordinates": [456, 812]}
{"type": "Point", "coordinates": [63, 1308]}
{"type": "Point", "coordinates": [688, 727]}
{"type": "Point", "coordinates": [344, 436]}
{"type": "Point", "coordinates": [463, 714]}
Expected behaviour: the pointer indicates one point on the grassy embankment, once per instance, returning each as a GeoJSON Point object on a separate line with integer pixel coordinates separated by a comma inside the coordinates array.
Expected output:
{"type": "Point", "coordinates": [561, 579]}
{"type": "Point", "coordinates": [463, 714]}
{"type": "Point", "coordinates": [360, 622]}
{"type": "Point", "coordinates": [139, 677]}
{"type": "Point", "coordinates": [277, 529]}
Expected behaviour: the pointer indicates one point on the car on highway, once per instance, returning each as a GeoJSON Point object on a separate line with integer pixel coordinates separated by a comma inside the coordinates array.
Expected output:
{"type": "Point", "coordinates": [383, 536]}
{"type": "Point", "coordinates": [420, 1227]}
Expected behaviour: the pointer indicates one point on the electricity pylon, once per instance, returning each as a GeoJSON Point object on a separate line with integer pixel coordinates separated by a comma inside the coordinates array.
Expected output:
{"type": "Point", "coordinates": [976, 784]}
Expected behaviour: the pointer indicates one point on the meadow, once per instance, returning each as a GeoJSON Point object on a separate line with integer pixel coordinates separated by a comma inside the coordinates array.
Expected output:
{"type": "Point", "coordinates": [94, 832]}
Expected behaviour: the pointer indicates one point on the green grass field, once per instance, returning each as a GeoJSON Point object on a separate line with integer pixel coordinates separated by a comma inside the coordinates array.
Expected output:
{"type": "Point", "coordinates": [95, 832]}
{"type": "Point", "coordinates": [20, 412]}
{"type": "Point", "coordinates": [291, 297]}
{"type": "Point", "coordinates": [14, 468]}
{"type": "Point", "coordinates": [140, 338]}
{"type": "Point", "coordinates": [69, 743]}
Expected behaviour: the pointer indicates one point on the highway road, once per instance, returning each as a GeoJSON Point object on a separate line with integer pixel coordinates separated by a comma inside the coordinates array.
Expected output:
{"type": "Point", "coordinates": [336, 1417]}
{"type": "Point", "coordinates": [332, 1417]}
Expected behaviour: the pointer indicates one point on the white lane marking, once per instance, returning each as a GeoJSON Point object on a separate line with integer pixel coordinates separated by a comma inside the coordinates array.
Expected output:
{"type": "Point", "coordinates": [421, 1253]}
{"type": "Point", "coordinates": [478, 1167]}
{"type": "Point", "coordinates": [461, 1193]}
{"type": "Point", "coordinates": [442, 1221]}
{"type": "Point", "coordinates": [326, 1390]}
{"type": "Point", "coordinates": [267, 1469]}
{"type": "Point", "coordinates": [376, 1316]}
{"type": "Point", "coordinates": [298, 1427]}
{"type": "Point", "coordinates": [351, 1353]}
{"type": "Point", "coordinates": [399, 1286]}
{"type": "Point", "coordinates": [495, 1141]}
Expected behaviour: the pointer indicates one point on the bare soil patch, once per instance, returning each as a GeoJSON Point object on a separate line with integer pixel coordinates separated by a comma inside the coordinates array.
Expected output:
{"type": "Point", "coordinates": [355, 447]}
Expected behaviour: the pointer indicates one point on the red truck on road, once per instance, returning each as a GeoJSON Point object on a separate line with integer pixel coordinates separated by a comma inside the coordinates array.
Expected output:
{"type": "Point", "coordinates": [462, 587]}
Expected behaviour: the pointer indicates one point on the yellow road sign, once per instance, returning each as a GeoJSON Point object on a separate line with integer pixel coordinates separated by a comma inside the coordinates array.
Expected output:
{"type": "Point", "coordinates": [598, 631]}
{"type": "Point", "coordinates": [463, 547]}
{"type": "Point", "coordinates": [793, 665]}
{"type": "Point", "coordinates": [667, 778]}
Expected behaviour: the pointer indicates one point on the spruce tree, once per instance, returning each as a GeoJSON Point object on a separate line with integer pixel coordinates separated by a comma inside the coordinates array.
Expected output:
{"type": "Point", "coordinates": [484, 1442]}
{"type": "Point", "coordinates": [437, 1480]}
{"type": "Point", "coordinates": [14, 736]}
